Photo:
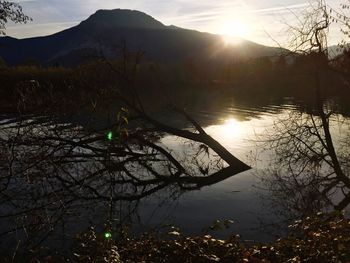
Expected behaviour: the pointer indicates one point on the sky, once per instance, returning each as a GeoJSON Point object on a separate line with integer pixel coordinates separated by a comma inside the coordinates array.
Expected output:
{"type": "Point", "coordinates": [261, 21]}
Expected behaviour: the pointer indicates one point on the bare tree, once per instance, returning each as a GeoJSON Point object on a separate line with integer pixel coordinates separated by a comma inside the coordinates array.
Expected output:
{"type": "Point", "coordinates": [51, 169]}
{"type": "Point", "coordinates": [312, 168]}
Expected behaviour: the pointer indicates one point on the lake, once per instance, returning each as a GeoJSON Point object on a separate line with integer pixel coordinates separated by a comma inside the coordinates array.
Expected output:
{"type": "Point", "coordinates": [237, 198]}
{"type": "Point", "coordinates": [244, 198]}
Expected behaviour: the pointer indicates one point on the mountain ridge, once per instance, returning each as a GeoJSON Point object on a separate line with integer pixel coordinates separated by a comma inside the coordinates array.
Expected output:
{"type": "Point", "coordinates": [122, 18]}
{"type": "Point", "coordinates": [105, 30]}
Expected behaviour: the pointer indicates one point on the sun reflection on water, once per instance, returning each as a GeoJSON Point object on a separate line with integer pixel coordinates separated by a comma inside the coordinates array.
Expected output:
{"type": "Point", "coordinates": [238, 136]}
{"type": "Point", "coordinates": [230, 129]}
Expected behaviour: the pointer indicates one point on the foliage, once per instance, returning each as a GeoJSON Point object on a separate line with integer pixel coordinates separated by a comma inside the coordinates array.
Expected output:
{"type": "Point", "coordinates": [93, 248]}
{"type": "Point", "coordinates": [128, 160]}
{"type": "Point", "coordinates": [182, 249]}
{"type": "Point", "coordinates": [318, 238]}
{"type": "Point", "coordinates": [69, 168]}
{"type": "Point", "coordinates": [93, 81]}
{"type": "Point", "coordinates": [11, 11]}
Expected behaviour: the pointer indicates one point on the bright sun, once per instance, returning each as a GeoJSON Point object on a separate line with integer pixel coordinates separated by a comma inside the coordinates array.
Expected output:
{"type": "Point", "coordinates": [233, 31]}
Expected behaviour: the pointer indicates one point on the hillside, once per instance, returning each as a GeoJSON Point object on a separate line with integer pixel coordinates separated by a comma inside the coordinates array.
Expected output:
{"type": "Point", "coordinates": [104, 32]}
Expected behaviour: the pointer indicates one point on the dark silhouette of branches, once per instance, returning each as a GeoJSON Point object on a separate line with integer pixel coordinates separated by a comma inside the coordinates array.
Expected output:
{"type": "Point", "coordinates": [312, 166]}
{"type": "Point", "coordinates": [50, 167]}
{"type": "Point", "coordinates": [11, 11]}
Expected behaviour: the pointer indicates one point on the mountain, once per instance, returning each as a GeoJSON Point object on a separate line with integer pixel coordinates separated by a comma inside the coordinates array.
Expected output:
{"type": "Point", "coordinates": [337, 50]}
{"type": "Point", "coordinates": [119, 18]}
{"type": "Point", "coordinates": [104, 32]}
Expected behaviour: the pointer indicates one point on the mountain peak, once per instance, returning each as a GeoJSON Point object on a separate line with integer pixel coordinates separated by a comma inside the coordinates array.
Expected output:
{"type": "Point", "coordinates": [103, 32]}
{"type": "Point", "coordinates": [122, 18]}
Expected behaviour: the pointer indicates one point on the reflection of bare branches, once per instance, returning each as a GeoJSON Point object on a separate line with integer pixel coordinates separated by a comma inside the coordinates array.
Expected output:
{"type": "Point", "coordinates": [49, 169]}
{"type": "Point", "coordinates": [57, 148]}
{"type": "Point", "coordinates": [305, 178]}
{"type": "Point", "coordinates": [52, 170]}
{"type": "Point", "coordinates": [311, 170]}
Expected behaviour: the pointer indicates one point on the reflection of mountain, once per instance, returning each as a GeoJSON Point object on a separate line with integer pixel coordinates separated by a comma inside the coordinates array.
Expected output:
{"type": "Point", "coordinates": [105, 30]}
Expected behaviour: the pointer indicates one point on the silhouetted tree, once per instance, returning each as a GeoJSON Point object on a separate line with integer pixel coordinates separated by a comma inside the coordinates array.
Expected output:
{"type": "Point", "coordinates": [312, 168]}
{"type": "Point", "coordinates": [50, 167]}
{"type": "Point", "coordinates": [11, 11]}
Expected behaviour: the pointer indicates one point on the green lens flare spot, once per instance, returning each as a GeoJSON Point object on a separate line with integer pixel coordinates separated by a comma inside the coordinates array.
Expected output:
{"type": "Point", "coordinates": [110, 136]}
{"type": "Point", "coordinates": [108, 235]}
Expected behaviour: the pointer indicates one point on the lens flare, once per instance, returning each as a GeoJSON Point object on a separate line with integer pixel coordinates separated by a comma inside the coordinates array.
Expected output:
{"type": "Point", "coordinates": [107, 235]}
{"type": "Point", "coordinates": [110, 136]}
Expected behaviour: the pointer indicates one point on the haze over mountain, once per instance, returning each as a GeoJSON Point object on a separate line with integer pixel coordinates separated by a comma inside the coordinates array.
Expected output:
{"type": "Point", "coordinates": [104, 32]}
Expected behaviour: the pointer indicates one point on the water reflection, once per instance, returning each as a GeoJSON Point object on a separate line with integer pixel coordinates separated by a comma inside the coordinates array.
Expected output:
{"type": "Point", "coordinates": [230, 128]}
{"type": "Point", "coordinates": [234, 198]}
{"type": "Point", "coordinates": [153, 197]}
{"type": "Point", "coordinates": [54, 173]}
{"type": "Point", "coordinates": [258, 196]}
{"type": "Point", "coordinates": [309, 171]}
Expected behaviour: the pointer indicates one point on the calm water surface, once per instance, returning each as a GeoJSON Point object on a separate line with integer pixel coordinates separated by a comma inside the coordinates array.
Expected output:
{"type": "Point", "coordinates": [241, 198]}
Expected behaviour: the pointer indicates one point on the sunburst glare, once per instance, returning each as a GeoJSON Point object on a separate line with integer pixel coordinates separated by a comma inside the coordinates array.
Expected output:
{"type": "Point", "coordinates": [234, 30]}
